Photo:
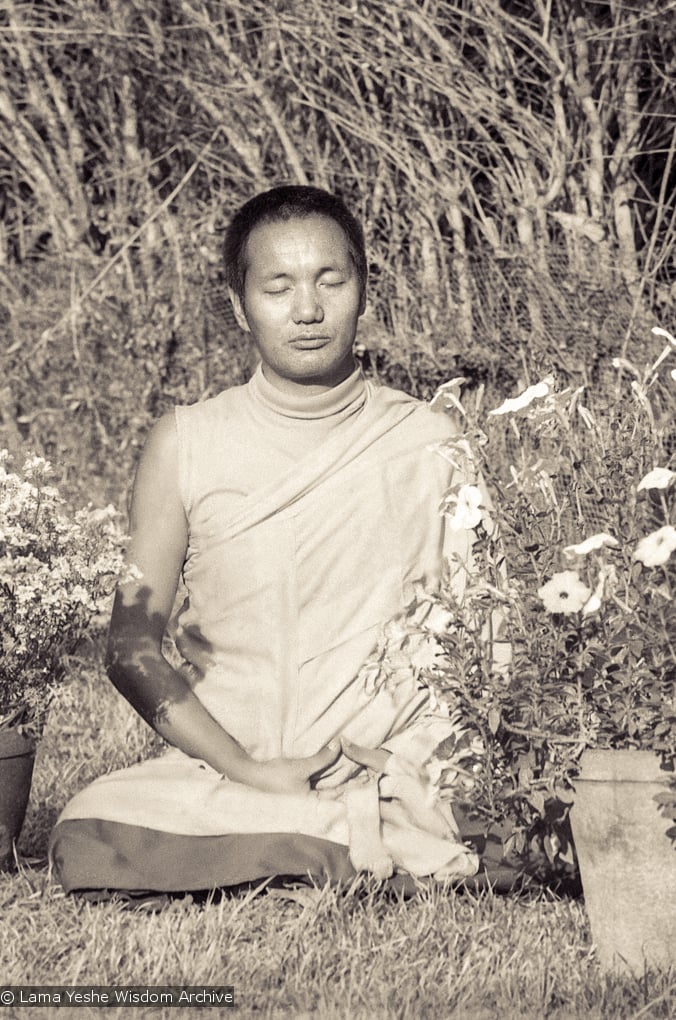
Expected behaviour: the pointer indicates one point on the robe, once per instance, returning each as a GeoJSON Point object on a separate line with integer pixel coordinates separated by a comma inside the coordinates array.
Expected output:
{"type": "Point", "coordinates": [310, 521]}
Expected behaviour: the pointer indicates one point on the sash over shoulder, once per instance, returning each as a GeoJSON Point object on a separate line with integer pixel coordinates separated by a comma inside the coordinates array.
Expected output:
{"type": "Point", "coordinates": [309, 520]}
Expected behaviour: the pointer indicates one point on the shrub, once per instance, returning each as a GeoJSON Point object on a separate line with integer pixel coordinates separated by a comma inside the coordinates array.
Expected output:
{"type": "Point", "coordinates": [572, 570]}
{"type": "Point", "coordinates": [57, 573]}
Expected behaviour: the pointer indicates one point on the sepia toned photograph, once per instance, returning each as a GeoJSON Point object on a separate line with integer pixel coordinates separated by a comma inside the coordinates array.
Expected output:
{"type": "Point", "coordinates": [337, 522]}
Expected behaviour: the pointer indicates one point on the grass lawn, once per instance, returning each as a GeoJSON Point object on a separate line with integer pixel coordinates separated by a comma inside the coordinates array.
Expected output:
{"type": "Point", "coordinates": [296, 952]}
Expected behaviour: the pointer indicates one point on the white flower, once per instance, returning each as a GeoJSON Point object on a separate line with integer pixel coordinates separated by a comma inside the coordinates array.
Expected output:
{"type": "Point", "coordinates": [623, 363]}
{"type": "Point", "coordinates": [658, 331]}
{"type": "Point", "coordinates": [591, 544]}
{"type": "Point", "coordinates": [658, 478]}
{"type": "Point", "coordinates": [607, 578]}
{"type": "Point", "coordinates": [541, 389]}
{"type": "Point", "coordinates": [24, 593]}
{"type": "Point", "coordinates": [58, 572]}
{"type": "Point", "coordinates": [564, 593]}
{"type": "Point", "coordinates": [81, 595]}
{"type": "Point", "coordinates": [593, 604]}
{"type": "Point", "coordinates": [36, 467]}
{"type": "Point", "coordinates": [448, 394]}
{"type": "Point", "coordinates": [655, 549]}
{"type": "Point", "coordinates": [425, 654]}
{"type": "Point", "coordinates": [438, 619]}
{"type": "Point", "coordinates": [101, 516]}
{"type": "Point", "coordinates": [130, 572]}
{"type": "Point", "coordinates": [467, 513]}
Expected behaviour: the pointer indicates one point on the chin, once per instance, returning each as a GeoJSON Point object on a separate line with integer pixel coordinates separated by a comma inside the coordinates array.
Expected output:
{"type": "Point", "coordinates": [318, 371]}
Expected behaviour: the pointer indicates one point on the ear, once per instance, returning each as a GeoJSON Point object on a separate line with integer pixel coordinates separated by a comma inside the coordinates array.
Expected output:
{"type": "Point", "coordinates": [238, 309]}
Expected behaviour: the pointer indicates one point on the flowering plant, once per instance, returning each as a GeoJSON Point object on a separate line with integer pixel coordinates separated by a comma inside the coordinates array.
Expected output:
{"type": "Point", "coordinates": [572, 515]}
{"type": "Point", "coordinates": [57, 573]}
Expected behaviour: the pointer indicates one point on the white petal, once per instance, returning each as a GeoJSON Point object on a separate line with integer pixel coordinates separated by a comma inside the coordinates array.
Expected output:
{"type": "Point", "coordinates": [512, 404]}
{"type": "Point", "coordinates": [467, 513]}
{"type": "Point", "coordinates": [655, 549]}
{"type": "Point", "coordinates": [438, 619]}
{"type": "Point", "coordinates": [590, 544]}
{"type": "Point", "coordinates": [448, 395]}
{"type": "Point", "coordinates": [658, 331]}
{"type": "Point", "coordinates": [658, 478]}
{"type": "Point", "coordinates": [592, 605]}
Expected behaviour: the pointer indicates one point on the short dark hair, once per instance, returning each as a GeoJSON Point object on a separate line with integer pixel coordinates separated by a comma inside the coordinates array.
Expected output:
{"type": "Point", "coordinates": [286, 202]}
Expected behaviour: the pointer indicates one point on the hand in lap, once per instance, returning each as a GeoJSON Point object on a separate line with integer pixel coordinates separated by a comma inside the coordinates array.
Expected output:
{"type": "Point", "coordinates": [405, 793]}
{"type": "Point", "coordinates": [291, 775]}
{"type": "Point", "coordinates": [371, 758]}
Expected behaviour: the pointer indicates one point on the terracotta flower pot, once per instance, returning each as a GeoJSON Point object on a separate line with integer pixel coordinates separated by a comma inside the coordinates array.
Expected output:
{"type": "Point", "coordinates": [627, 862]}
{"type": "Point", "coordinates": [17, 756]}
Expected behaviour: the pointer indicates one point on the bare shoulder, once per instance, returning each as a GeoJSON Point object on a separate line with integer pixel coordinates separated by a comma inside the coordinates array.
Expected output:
{"type": "Point", "coordinates": [162, 441]}
{"type": "Point", "coordinates": [156, 487]}
{"type": "Point", "coordinates": [159, 459]}
{"type": "Point", "coordinates": [158, 527]}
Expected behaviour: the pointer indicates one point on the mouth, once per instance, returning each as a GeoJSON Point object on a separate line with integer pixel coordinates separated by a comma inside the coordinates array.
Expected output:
{"type": "Point", "coordinates": [309, 342]}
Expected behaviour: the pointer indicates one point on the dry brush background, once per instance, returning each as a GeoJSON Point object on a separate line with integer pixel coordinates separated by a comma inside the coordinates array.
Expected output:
{"type": "Point", "coordinates": [513, 163]}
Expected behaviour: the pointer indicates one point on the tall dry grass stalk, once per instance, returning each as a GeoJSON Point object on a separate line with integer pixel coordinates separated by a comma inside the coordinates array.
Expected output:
{"type": "Point", "coordinates": [513, 165]}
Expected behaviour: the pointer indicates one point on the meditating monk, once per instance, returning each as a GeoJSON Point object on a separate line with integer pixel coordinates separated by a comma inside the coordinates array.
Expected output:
{"type": "Point", "coordinates": [298, 511]}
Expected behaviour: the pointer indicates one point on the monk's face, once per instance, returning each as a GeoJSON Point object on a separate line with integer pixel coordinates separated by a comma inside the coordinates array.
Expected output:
{"type": "Point", "coordinates": [301, 302]}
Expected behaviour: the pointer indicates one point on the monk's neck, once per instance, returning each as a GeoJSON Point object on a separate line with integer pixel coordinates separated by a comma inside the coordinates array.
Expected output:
{"type": "Point", "coordinates": [308, 402]}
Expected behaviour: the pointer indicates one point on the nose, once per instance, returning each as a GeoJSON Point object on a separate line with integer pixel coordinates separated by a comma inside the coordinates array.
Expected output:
{"type": "Point", "coordinates": [306, 305]}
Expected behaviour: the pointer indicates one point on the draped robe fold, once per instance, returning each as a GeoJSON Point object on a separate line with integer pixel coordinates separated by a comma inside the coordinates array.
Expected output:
{"type": "Point", "coordinates": [309, 523]}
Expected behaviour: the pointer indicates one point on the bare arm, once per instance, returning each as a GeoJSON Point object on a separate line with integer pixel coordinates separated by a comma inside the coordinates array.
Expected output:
{"type": "Point", "coordinates": [136, 666]}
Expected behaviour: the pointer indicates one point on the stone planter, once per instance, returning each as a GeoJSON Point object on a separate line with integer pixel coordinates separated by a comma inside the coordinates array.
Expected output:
{"type": "Point", "coordinates": [627, 862]}
{"type": "Point", "coordinates": [17, 756]}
